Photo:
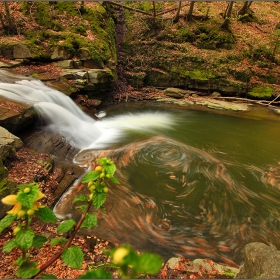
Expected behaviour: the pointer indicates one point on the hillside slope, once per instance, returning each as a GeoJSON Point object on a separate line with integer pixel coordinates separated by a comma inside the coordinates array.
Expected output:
{"type": "Point", "coordinates": [199, 54]}
{"type": "Point", "coordinates": [156, 49]}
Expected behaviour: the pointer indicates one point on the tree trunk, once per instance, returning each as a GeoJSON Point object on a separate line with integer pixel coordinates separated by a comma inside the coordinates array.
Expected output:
{"type": "Point", "coordinates": [10, 28]}
{"type": "Point", "coordinates": [82, 7]}
{"type": "Point", "coordinates": [176, 18]}
{"type": "Point", "coordinates": [245, 8]}
{"type": "Point", "coordinates": [228, 12]}
{"type": "Point", "coordinates": [154, 9]}
{"type": "Point", "coordinates": [190, 12]}
{"type": "Point", "coordinates": [2, 22]}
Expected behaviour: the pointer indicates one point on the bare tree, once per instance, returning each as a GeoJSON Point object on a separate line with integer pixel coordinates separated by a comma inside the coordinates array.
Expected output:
{"type": "Point", "coordinates": [227, 15]}
{"type": "Point", "coordinates": [245, 8]}
{"type": "Point", "coordinates": [176, 18]}
{"type": "Point", "coordinates": [6, 20]}
{"type": "Point", "coordinates": [154, 9]}
{"type": "Point", "coordinates": [190, 12]}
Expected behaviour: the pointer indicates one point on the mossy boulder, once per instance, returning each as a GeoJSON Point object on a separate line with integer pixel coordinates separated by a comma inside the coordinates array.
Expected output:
{"type": "Point", "coordinates": [261, 92]}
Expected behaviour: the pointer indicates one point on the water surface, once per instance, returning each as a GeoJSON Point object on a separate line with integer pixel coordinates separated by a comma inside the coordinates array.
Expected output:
{"type": "Point", "coordinates": [204, 187]}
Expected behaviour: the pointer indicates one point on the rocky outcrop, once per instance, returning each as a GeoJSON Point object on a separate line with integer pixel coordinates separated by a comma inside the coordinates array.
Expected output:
{"type": "Point", "coordinates": [15, 116]}
{"type": "Point", "coordinates": [260, 262]}
{"type": "Point", "coordinates": [94, 81]}
{"type": "Point", "coordinates": [8, 142]}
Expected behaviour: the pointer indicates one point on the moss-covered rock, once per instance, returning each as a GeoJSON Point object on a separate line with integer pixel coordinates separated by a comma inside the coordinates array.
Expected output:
{"type": "Point", "coordinates": [261, 92]}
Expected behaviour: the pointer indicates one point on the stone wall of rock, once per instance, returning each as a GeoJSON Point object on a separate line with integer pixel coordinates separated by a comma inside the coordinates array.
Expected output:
{"type": "Point", "coordinates": [84, 73]}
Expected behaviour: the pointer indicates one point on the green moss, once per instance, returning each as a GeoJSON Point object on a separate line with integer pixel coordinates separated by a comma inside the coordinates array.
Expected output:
{"type": "Point", "coordinates": [103, 26]}
{"type": "Point", "coordinates": [229, 273]}
{"type": "Point", "coordinates": [202, 75]}
{"type": "Point", "coordinates": [66, 7]}
{"type": "Point", "coordinates": [53, 33]}
{"type": "Point", "coordinates": [37, 50]}
{"type": "Point", "coordinates": [7, 187]}
{"type": "Point", "coordinates": [210, 36]}
{"type": "Point", "coordinates": [261, 92]}
{"type": "Point", "coordinates": [42, 14]}
{"type": "Point", "coordinates": [81, 29]}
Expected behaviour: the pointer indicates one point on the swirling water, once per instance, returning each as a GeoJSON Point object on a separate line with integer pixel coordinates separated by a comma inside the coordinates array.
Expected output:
{"type": "Point", "coordinates": [193, 183]}
{"type": "Point", "coordinates": [204, 188]}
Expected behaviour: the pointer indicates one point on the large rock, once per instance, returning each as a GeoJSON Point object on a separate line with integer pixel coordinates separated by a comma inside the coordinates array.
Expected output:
{"type": "Point", "coordinates": [15, 116]}
{"type": "Point", "coordinates": [176, 93]}
{"type": "Point", "coordinates": [61, 53]}
{"type": "Point", "coordinates": [100, 76]}
{"type": "Point", "coordinates": [21, 51]}
{"type": "Point", "coordinates": [8, 142]}
{"type": "Point", "coordinates": [65, 64]}
{"type": "Point", "coordinates": [260, 262]}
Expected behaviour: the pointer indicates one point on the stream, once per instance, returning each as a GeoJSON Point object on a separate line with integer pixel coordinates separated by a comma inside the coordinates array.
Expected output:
{"type": "Point", "coordinates": [193, 183]}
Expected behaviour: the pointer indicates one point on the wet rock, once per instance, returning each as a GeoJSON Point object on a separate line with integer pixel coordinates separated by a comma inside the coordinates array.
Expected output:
{"type": "Point", "coordinates": [49, 142]}
{"type": "Point", "coordinates": [68, 174]}
{"type": "Point", "coordinates": [61, 85]}
{"type": "Point", "coordinates": [207, 102]}
{"type": "Point", "coordinates": [260, 262]}
{"type": "Point", "coordinates": [222, 105]}
{"type": "Point", "coordinates": [10, 64]}
{"type": "Point", "coordinates": [16, 116]}
{"type": "Point", "coordinates": [176, 93]}
{"type": "Point", "coordinates": [62, 153]}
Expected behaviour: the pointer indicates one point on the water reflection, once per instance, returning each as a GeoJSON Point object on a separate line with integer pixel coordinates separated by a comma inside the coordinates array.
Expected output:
{"type": "Point", "coordinates": [175, 199]}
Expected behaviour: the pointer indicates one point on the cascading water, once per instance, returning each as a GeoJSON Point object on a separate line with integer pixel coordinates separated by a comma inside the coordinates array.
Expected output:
{"type": "Point", "coordinates": [65, 117]}
{"type": "Point", "coordinates": [204, 189]}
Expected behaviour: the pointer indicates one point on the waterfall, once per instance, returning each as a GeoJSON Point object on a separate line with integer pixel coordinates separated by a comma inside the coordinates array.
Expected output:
{"type": "Point", "coordinates": [61, 114]}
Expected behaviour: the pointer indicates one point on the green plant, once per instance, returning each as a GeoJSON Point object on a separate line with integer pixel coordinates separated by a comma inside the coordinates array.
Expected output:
{"type": "Point", "coordinates": [229, 273]}
{"type": "Point", "coordinates": [26, 206]}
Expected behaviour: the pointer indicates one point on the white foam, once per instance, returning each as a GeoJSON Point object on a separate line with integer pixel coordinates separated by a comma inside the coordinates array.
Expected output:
{"type": "Point", "coordinates": [64, 116]}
